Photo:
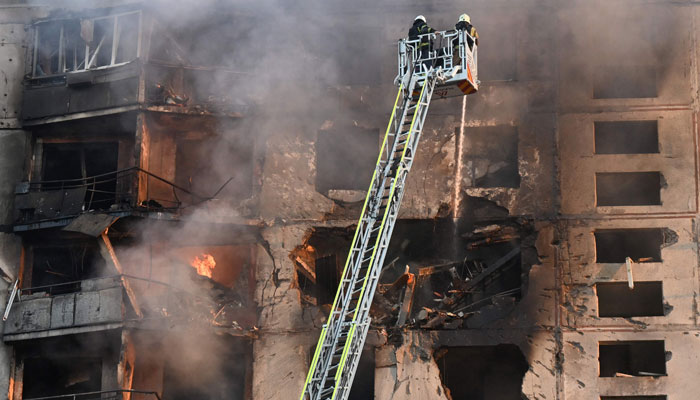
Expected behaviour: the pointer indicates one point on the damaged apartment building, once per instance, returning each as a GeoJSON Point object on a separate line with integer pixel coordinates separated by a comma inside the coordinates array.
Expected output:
{"type": "Point", "coordinates": [180, 185]}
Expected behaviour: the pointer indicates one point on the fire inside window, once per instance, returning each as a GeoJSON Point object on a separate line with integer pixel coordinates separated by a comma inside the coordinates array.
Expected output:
{"type": "Point", "coordinates": [78, 45]}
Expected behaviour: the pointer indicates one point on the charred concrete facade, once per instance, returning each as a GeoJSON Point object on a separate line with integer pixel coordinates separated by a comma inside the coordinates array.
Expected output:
{"type": "Point", "coordinates": [141, 140]}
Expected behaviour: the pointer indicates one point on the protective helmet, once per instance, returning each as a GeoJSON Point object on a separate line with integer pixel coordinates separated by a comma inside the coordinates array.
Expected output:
{"type": "Point", "coordinates": [465, 18]}
{"type": "Point", "coordinates": [420, 17]}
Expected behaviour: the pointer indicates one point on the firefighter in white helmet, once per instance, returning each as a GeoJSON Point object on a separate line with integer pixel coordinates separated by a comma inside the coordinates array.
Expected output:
{"type": "Point", "coordinates": [420, 27]}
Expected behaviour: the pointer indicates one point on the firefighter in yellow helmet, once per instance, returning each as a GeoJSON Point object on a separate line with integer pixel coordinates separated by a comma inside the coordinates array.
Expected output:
{"type": "Point", "coordinates": [465, 24]}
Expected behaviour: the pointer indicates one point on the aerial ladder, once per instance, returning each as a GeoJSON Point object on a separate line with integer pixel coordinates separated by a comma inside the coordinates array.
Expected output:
{"type": "Point", "coordinates": [447, 69]}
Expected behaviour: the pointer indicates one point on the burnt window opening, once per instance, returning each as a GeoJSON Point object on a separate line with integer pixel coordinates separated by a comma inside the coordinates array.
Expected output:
{"type": "Point", "coordinates": [45, 377]}
{"type": "Point", "coordinates": [60, 268]}
{"type": "Point", "coordinates": [626, 137]}
{"type": "Point", "coordinates": [482, 372]}
{"type": "Point", "coordinates": [491, 156]}
{"type": "Point", "coordinates": [194, 373]}
{"type": "Point", "coordinates": [641, 245]}
{"type": "Point", "coordinates": [78, 45]}
{"type": "Point", "coordinates": [67, 364]}
{"type": "Point", "coordinates": [632, 358]}
{"type": "Point", "coordinates": [659, 397]}
{"type": "Point", "coordinates": [345, 158]}
{"type": "Point", "coordinates": [628, 188]}
{"type": "Point", "coordinates": [616, 299]}
{"type": "Point", "coordinates": [625, 81]}
{"type": "Point", "coordinates": [86, 165]}
{"type": "Point", "coordinates": [319, 263]}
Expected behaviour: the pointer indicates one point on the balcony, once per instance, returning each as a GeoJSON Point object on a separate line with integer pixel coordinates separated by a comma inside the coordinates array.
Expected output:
{"type": "Point", "coordinates": [112, 302]}
{"type": "Point", "coordinates": [105, 395]}
{"type": "Point", "coordinates": [131, 191]}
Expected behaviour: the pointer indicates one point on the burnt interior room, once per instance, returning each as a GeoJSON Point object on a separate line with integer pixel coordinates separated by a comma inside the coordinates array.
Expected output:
{"type": "Point", "coordinates": [69, 364]}
{"type": "Point", "coordinates": [57, 266]}
{"type": "Point", "coordinates": [617, 299]}
{"type": "Point", "coordinates": [193, 373]}
{"type": "Point", "coordinates": [632, 358]}
{"type": "Point", "coordinates": [640, 245]}
{"type": "Point", "coordinates": [482, 372]}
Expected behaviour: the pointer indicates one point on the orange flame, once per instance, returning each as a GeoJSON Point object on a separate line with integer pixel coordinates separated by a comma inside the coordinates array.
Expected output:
{"type": "Point", "coordinates": [204, 264]}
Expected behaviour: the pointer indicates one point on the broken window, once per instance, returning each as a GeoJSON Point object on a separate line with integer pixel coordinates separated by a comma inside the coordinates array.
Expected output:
{"type": "Point", "coordinates": [88, 165]}
{"type": "Point", "coordinates": [617, 299]}
{"type": "Point", "coordinates": [482, 372]}
{"type": "Point", "coordinates": [340, 151]}
{"type": "Point", "coordinates": [641, 245]}
{"type": "Point", "coordinates": [625, 81]}
{"type": "Point", "coordinates": [77, 45]}
{"type": "Point", "coordinates": [59, 267]}
{"type": "Point", "coordinates": [492, 156]}
{"type": "Point", "coordinates": [626, 137]}
{"type": "Point", "coordinates": [632, 358]}
{"type": "Point", "coordinates": [628, 188]}
{"type": "Point", "coordinates": [659, 397]}
{"type": "Point", "coordinates": [47, 48]}
{"type": "Point", "coordinates": [319, 263]}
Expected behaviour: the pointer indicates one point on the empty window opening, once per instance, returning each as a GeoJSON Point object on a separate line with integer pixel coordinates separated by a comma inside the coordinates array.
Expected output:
{"type": "Point", "coordinates": [659, 397]}
{"type": "Point", "coordinates": [628, 188]}
{"type": "Point", "coordinates": [641, 245]}
{"type": "Point", "coordinates": [482, 372]}
{"type": "Point", "coordinates": [86, 165]}
{"type": "Point", "coordinates": [345, 158]}
{"type": "Point", "coordinates": [491, 156]}
{"type": "Point", "coordinates": [193, 372]}
{"type": "Point", "coordinates": [616, 299]}
{"type": "Point", "coordinates": [632, 358]}
{"type": "Point", "coordinates": [60, 267]}
{"type": "Point", "coordinates": [626, 137]}
{"type": "Point", "coordinates": [319, 263]}
{"type": "Point", "coordinates": [61, 376]}
{"type": "Point", "coordinates": [625, 81]}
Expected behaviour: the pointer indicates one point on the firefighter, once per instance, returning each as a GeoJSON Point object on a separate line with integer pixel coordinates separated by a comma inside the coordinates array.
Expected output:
{"type": "Point", "coordinates": [420, 27]}
{"type": "Point", "coordinates": [465, 24]}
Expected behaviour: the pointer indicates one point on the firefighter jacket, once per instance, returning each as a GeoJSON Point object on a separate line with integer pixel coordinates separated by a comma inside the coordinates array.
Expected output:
{"type": "Point", "coordinates": [420, 28]}
{"type": "Point", "coordinates": [465, 26]}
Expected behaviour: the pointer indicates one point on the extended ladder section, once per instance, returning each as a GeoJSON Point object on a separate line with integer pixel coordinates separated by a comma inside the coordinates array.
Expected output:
{"type": "Point", "coordinates": [338, 350]}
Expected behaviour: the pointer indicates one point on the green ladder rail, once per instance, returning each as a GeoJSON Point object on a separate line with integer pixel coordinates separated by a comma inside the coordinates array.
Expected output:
{"type": "Point", "coordinates": [451, 67]}
{"type": "Point", "coordinates": [338, 351]}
